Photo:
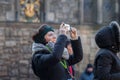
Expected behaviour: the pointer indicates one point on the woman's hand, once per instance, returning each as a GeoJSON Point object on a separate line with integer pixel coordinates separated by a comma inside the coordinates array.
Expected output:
{"type": "Point", "coordinates": [73, 33]}
{"type": "Point", "coordinates": [62, 30]}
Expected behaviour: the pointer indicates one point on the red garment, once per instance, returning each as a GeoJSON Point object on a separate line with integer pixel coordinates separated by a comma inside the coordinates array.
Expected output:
{"type": "Point", "coordinates": [71, 70]}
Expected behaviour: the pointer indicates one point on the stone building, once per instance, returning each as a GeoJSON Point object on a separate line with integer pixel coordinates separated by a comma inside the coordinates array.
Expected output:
{"type": "Point", "coordinates": [52, 11]}
{"type": "Point", "coordinates": [17, 28]}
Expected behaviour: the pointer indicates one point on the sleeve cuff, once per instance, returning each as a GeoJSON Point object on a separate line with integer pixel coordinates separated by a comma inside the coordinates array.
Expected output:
{"type": "Point", "coordinates": [74, 38]}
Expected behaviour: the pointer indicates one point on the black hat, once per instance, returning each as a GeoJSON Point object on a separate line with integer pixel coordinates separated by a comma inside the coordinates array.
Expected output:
{"type": "Point", "coordinates": [89, 66]}
{"type": "Point", "coordinates": [42, 31]}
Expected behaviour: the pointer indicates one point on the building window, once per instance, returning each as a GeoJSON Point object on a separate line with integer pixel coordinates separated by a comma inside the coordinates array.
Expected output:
{"type": "Point", "coordinates": [7, 12]}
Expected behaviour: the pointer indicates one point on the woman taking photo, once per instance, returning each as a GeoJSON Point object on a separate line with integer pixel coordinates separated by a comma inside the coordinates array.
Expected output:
{"type": "Point", "coordinates": [50, 59]}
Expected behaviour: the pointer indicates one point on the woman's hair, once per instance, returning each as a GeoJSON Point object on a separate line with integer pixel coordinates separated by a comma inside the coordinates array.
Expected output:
{"type": "Point", "coordinates": [38, 37]}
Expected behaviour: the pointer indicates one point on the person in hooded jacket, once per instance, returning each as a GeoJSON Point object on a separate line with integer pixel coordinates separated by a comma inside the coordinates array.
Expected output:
{"type": "Point", "coordinates": [88, 73]}
{"type": "Point", "coordinates": [50, 59]}
{"type": "Point", "coordinates": [107, 63]}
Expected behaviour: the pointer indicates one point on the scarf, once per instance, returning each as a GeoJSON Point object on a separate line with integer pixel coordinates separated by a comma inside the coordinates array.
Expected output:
{"type": "Point", "coordinates": [49, 47]}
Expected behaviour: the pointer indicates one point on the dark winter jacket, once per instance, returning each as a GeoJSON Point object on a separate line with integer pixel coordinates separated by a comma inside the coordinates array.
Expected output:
{"type": "Point", "coordinates": [107, 63]}
{"type": "Point", "coordinates": [85, 76]}
{"type": "Point", "coordinates": [47, 65]}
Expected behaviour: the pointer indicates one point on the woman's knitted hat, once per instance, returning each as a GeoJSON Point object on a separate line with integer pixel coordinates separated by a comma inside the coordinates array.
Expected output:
{"type": "Point", "coordinates": [42, 31]}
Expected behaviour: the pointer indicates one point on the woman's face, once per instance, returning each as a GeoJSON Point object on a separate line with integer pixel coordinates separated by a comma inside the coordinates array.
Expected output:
{"type": "Point", "coordinates": [69, 48]}
{"type": "Point", "coordinates": [50, 36]}
{"type": "Point", "coordinates": [90, 69]}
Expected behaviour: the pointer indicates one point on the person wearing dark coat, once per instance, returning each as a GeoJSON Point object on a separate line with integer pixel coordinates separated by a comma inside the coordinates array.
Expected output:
{"type": "Point", "coordinates": [50, 59]}
{"type": "Point", "coordinates": [107, 63]}
{"type": "Point", "coordinates": [88, 73]}
{"type": "Point", "coordinates": [70, 51]}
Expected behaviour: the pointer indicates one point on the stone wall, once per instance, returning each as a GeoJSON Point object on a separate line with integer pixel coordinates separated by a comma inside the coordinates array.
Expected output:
{"type": "Point", "coordinates": [15, 49]}
{"type": "Point", "coordinates": [68, 11]}
{"type": "Point", "coordinates": [7, 9]}
{"type": "Point", "coordinates": [62, 11]}
{"type": "Point", "coordinates": [81, 11]}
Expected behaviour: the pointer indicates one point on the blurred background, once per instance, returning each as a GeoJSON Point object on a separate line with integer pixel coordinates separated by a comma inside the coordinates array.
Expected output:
{"type": "Point", "coordinates": [19, 19]}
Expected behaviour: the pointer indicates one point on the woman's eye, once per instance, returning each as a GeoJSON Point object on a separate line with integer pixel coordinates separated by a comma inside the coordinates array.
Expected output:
{"type": "Point", "coordinates": [50, 34]}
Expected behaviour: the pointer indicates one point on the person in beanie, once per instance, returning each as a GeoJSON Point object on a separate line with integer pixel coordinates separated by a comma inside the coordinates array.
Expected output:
{"type": "Point", "coordinates": [70, 51]}
{"type": "Point", "coordinates": [88, 73]}
{"type": "Point", "coordinates": [50, 59]}
{"type": "Point", "coordinates": [107, 63]}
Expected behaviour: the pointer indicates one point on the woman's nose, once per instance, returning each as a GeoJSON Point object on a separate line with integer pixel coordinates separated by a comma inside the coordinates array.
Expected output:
{"type": "Point", "coordinates": [53, 39]}
{"type": "Point", "coordinates": [54, 36]}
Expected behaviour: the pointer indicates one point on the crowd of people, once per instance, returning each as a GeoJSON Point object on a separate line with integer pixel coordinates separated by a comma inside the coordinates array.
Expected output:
{"type": "Point", "coordinates": [54, 56]}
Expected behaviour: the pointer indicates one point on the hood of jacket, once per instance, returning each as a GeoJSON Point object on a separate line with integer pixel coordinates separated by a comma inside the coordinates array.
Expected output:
{"type": "Point", "coordinates": [108, 37]}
